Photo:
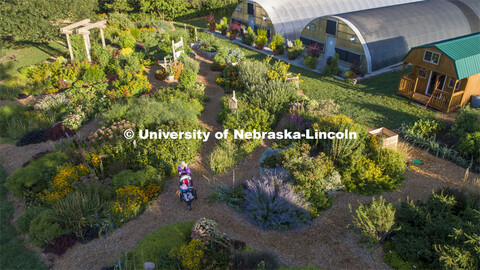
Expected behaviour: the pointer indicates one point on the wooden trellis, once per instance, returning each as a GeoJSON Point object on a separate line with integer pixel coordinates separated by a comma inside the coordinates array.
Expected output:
{"type": "Point", "coordinates": [83, 29]}
{"type": "Point", "coordinates": [176, 47]}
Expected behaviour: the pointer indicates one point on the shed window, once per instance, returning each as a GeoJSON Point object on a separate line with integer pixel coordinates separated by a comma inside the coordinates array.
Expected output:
{"type": "Point", "coordinates": [451, 83]}
{"type": "Point", "coordinates": [331, 27]}
{"type": "Point", "coordinates": [251, 8]}
{"type": "Point", "coordinates": [347, 56]}
{"type": "Point", "coordinates": [422, 73]}
{"type": "Point", "coordinates": [431, 57]}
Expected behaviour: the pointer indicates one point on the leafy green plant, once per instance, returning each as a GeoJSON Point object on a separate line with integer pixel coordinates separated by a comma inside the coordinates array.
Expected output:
{"type": "Point", "coordinates": [310, 179]}
{"type": "Point", "coordinates": [13, 253]}
{"type": "Point", "coordinates": [262, 38]}
{"type": "Point", "coordinates": [466, 121]}
{"type": "Point", "coordinates": [32, 179]}
{"type": "Point", "coordinates": [232, 196]}
{"type": "Point", "coordinates": [274, 96]}
{"type": "Point", "coordinates": [250, 37]}
{"type": "Point", "coordinates": [223, 156]}
{"type": "Point", "coordinates": [9, 92]}
{"type": "Point", "coordinates": [140, 178]}
{"type": "Point", "coordinates": [310, 61]}
{"type": "Point", "coordinates": [425, 127]}
{"type": "Point", "coordinates": [296, 50]}
{"type": "Point", "coordinates": [187, 79]}
{"type": "Point", "coordinates": [23, 222]}
{"type": "Point", "coordinates": [43, 229]}
{"type": "Point", "coordinates": [340, 149]}
{"type": "Point", "coordinates": [78, 211]}
{"type": "Point", "coordinates": [469, 146]}
{"type": "Point", "coordinates": [332, 68]}
{"type": "Point", "coordinates": [93, 74]}
{"type": "Point", "coordinates": [276, 43]}
{"type": "Point", "coordinates": [375, 220]}
{"type": "Point", "coordinates": [252, 74]}
{"type": "Point", "coordinates": [441, 232]}
{"type": "Point", "coordinates": [126, 41]}
{"type": "Point", "coordinates": [156, 246]}
{"type": "Point", "coordinates": [189, 63]}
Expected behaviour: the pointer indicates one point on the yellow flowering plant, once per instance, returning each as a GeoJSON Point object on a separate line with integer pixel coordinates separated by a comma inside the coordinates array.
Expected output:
{"type": "Point", "coordinates": [129, 203]}
{"type": "Point", "coordinates": [190, 256]}
{"type": "Point", "coordinates": [62, 183]}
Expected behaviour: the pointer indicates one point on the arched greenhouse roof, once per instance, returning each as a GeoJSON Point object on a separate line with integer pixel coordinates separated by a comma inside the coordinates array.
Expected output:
{"type": "Point", "coordinates": [389, 33]}
{"type": "Point", "coordinates": [289, 17]}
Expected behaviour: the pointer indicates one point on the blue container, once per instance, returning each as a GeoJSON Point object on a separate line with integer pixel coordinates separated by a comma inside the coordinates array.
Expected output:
{"type": "Point", "coordinates": [475, 102]}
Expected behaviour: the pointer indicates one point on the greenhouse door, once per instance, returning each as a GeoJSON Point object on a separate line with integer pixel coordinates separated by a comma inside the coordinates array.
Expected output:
{"type": "Point", "coordinates": [330, 46]}
{"type": "Point", "coordinates": [251, 21]}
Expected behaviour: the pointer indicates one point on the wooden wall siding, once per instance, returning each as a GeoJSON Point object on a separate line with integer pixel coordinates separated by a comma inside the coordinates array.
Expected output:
{"type": "Point", "coordinates": [471, 87]}
{"type": "Point", "coordinates": [445, 65]}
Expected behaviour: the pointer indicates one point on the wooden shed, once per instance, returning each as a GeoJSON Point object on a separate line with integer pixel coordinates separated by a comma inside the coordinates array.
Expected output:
{"type": "Point", "coordinates": [444, 74]}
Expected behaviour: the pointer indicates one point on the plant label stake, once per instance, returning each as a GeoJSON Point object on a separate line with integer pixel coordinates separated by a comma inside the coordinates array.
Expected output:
{"type": "Point", "coordinates": [233, 103]}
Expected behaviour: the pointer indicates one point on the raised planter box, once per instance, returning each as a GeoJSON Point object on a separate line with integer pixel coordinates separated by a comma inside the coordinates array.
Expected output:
{"type": "Point", "coordinates": [389, 138]}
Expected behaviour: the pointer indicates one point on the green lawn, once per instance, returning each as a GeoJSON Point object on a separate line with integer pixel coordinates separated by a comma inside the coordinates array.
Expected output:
{"type": "Point", "coordinates": [156, 246]}
{"type": "Point", "coordinates": [13, 254]}
{"type": "Point", "coordinates": [27, 55]}
{"type": "Point", "coordinates": [373, 102]}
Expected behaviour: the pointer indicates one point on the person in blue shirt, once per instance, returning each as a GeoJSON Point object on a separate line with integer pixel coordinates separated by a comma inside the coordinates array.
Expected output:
{"type": "Point", "coordinates": [183, 168]}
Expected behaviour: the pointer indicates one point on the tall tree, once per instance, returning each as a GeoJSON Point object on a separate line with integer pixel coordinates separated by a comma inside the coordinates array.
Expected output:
{"type": "Point", "coordinates": [167, 9]}
{"type": "Point", "coordinates": [37, 20]}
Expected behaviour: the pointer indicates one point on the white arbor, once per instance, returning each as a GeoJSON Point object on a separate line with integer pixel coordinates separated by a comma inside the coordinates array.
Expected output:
{"type": "Point", "coordinates": [83, 29]}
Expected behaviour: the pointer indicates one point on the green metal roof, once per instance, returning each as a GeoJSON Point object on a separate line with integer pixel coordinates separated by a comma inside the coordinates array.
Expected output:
{"type": "Point", "coordinates": [464, 51]}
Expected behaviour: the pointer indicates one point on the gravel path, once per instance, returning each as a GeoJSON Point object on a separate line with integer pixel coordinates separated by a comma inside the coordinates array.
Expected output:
{"type": "Point", "coordinates": [326, 243]}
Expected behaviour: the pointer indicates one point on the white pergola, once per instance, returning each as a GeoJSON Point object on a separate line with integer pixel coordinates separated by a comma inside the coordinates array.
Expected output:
{"type": "Point", "coordinates": [83, 29]}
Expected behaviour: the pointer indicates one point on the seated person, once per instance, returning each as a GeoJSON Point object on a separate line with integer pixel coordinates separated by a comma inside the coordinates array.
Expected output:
{"type": "Point", "coordinates": [183, 168]}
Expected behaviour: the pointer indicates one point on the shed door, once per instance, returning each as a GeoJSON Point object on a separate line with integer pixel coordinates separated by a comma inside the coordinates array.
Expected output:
{"type": "Point", "coordinates": [330, 46]}
{"type": "Point", "coordinates": [251, 21]}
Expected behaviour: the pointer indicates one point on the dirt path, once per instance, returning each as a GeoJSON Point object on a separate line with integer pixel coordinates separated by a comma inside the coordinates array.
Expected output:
{"type": "Point", "coordinates": [326, 243]}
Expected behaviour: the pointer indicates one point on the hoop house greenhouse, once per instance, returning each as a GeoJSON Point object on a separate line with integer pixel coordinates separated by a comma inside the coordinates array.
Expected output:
{"type": "Point", "coordinates": [378, 38]}
{"type": "Point", "coordinates": [289, 17]}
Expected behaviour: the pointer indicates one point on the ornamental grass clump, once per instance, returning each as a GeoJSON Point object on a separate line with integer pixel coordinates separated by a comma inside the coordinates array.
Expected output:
{"type": "Point", "coordinates": [273, 204]}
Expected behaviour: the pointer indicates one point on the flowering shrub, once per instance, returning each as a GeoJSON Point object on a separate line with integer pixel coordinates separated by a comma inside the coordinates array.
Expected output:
{"type": "Point", "coordinates": [190, 256]}
{"type": "Point", "coordinates": [129, 202]}
{"type": "Point", "coordinates": [274, 205]}
{"type": "Point", "coordinates": [292, 122]}
{"type": "Point", "coordinates": [204, 229]}
{"type": "Point", "coordinates": [177, 69]}
{"type": "Point", "coordinates": [128, 85]}
{"type": "Point", "coordinates": [228, 79]}
{"type": "Point", "coordinates": [74, 121]}
{"type": "Point", "coordinates": [277, 71]}
{"type": "Point", "coordinates": [126, 51]}
{"type": "Point", "coordinates": [62, 183]}
{"type": "Point", "coordinates": [234, 28]}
